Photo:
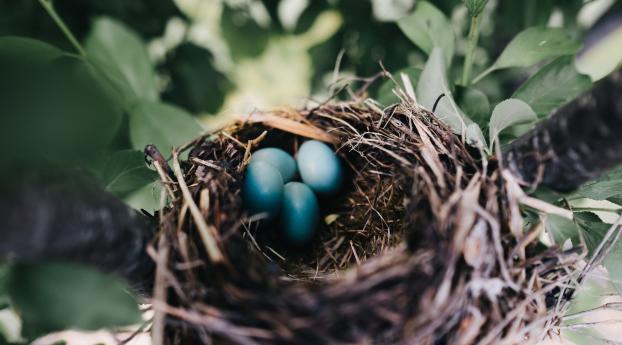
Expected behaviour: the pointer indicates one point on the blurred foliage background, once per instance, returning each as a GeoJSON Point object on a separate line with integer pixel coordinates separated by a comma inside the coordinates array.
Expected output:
{"type": "Point", "coordinates": [215, 56]}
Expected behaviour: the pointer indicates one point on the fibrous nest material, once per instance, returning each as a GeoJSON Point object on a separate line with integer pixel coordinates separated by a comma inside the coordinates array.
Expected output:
{"type": "Point", "coordinates": [425, 245]}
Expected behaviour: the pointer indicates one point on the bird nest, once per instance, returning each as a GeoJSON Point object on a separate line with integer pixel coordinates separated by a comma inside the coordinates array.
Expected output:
{"type": "Point", "coordinates": [424, 245]}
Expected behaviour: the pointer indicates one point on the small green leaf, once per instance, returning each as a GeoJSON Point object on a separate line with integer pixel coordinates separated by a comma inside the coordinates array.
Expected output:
{"type": "Point", "coordinates": [509, 113]}
{"type": "Point", "coordinates": [475, 7]}
{"type": "Point", "coordinates": [28, 49]}
{"type": "Point", "coordinates": [553, 86]}
{"type": "Point", "coordinates": [161, 124]}
{"type": "Point", "coordinates": [608, 186]}
{"type": "Point", "coordinates": [612, 264]}
{"type": "Point", "coordinates": [561, 229]}
{"type": "Point", "coordinates": [475, 105]}
{"type": "Point", "coordinates": [195, 83]}
{"type": "Point", "coordinates": [427, 27]}
{"type": "Point", "coordinates": [125, 171]}
{"type": "Point", "coordinates": [432, 84]}
{"type": "Point", "coordinates": [385, 92]}
{"type": "Point", "coordinates": [586, 224]}
{"type": "Point", "coordinates": [121, 55]}
{"type": "Point", "coordinates": [146, 198]}
{"type": "Point", "coordinates": [51, 297]}
{"type": "Point", "coordinates": [533, 45]}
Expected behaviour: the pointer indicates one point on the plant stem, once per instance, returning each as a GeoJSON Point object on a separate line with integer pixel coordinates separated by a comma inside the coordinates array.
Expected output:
{"type": "Point", "coordinates": [483, 74]}
{"type": "Point", "coordinates": [597, 209]}
{"type": "Point", "coordinates": [49, 7]}
{"type": "Point", "coordinates": [468, 59]}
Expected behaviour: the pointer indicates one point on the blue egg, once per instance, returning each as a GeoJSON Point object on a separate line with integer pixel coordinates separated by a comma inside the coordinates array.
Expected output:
{"type": "Point", "coordinates": [319, 167]}
{"type": "Point", "coordinates": [263, 189]}
{"type": "Point", "coordinates": [279, 159]}
{"type": "Point", "coordinates": [299, 213]}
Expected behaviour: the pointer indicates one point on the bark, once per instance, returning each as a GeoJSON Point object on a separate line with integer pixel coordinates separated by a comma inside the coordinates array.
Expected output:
{"type": "Point", "coordinates": [73, 220]}
{"type": "Point", "coordinates": [577, 144]}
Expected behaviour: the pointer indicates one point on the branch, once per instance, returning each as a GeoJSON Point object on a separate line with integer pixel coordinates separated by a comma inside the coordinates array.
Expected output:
{"type": "Point", "coordinates": [71, 219]}
{"type": "Point", "coordinates": [577, 144]}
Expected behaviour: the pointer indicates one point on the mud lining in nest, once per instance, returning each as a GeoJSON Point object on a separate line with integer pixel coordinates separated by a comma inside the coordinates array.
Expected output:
{"type": "Point", "coordinates": [425, 246]}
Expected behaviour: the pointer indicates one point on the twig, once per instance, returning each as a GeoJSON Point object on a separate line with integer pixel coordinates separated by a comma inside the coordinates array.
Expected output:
{"type": "Point", "coordinates": [206, 233]}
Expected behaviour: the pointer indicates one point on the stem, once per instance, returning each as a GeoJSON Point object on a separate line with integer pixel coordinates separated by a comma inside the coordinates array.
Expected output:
{"type": "Point", "coordinates": [597, 209]}
{"type": "Point", "coordinates": [49, 7]}
{"type": "Point", "coordinates": [484, 74]}
{"type": "Point", "coordinates": [468, 59]}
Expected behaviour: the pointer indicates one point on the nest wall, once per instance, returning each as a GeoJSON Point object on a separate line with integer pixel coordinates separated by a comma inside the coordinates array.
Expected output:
{"type": "Point", "coordinates": [425, 245]}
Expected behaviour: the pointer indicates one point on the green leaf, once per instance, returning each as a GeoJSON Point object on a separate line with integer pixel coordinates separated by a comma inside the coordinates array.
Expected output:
{"type": "Point", "coordinates": [509, 113]}
{"type": "Point", "coordinates": [608, 186]}
{"type": "Point", "coordinates": [146, 198]}
{"type": "Point", "coordinates": [475, 105]}
{"type": "Point", "coordinates": [385, 92]}
{"type": "Point", "coordinates": [121, 55]}
{"type": "Point", "coordinates": [51, 297]}
{"type": "Point", "coordinates": [194, 82]}
{"type": "Point", "coordinates": [427, 27]}
{"type": "Point", "coordinates": [561, 229]}
{"type": "Point", "coordinates": [586, 224]}
{"type": "Point", "coordinates": [125, 171]}
{"type": "Point", "coordinates": [475, 7]}
{"type": "Point", "coordinates": [553, 86]}
{"type": "Point", "coordinates": [432, 84]}
{"type": "Point", "coordinates": [28, 49]}
{"type": "Point", "coordinates": [533, 45]}
{"type": "Point", "coordinates": [161, 124]}
{"type": "Point", "coordinates": [612, 264]}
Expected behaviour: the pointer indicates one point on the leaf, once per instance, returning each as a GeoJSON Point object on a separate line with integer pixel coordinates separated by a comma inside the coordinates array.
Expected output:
{"type": "Point", "coordinates": [475, 7]}
{"type": "Point", "coordinates": [59, 111]}
{"type": "Point", "coordinates": [125, 171]}
{"type": "Point", "coordinates": [475, 105]}
{"type": "Point", "coordinates": [432, 84]}
{"type": "Point", "coordinates": [427, 27]}
{"type": "Point", "coordinates": [561, 229]}
{"type": "Point", "coordinates": [51, 297]}
{"type": "Point", "coordinates": [509, 113]}
{"type": "Point", "coordinates": [608, 186]}
{"type": "Point", "coordinates": [121, 55]}
{"type": "Point", "coordinates": [194, 82]}
{"type": "Point", "coordinates": [612, 264]}
{"type": "Point", "coordinates": [586, 224]}
{"type": "Point", "coordinates": [146, 198]}
{"type": "Point", "coordinates": [385, 92]}
{"type": "Point", "coordinates": [28, 49]}
{"type": "Point", "coordinates": [533, 45]}
{"type": "Point", "coordinates": [553, 86]}
{"type": "Point", "coordinates": [161, 124]}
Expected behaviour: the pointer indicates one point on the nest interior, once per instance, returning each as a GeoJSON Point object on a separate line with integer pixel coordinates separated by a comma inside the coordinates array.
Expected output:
{"type": "Point", "coordinates": [425, 244]}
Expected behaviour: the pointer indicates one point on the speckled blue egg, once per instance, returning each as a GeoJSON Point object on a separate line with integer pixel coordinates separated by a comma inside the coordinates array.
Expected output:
{"type": "Point", "coordinates": [263, 189]}
{"type": "Point", "coordinates": [279, 159]}
{"type": "Point", "coordinates": [319, 167]}
{"type": "Point", "coordinates": [299, 213]}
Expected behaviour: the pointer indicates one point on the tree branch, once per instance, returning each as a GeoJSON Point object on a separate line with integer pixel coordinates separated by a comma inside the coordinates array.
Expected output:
{"type": "Point", "coordinates": [577, 144]}
{"type": "Point", "coordinates": [71, 219]}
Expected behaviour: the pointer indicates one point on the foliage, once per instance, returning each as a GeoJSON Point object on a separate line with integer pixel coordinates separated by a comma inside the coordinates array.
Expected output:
{"type": "Point", "coordinates": [122, 57]}
{"type": "Point", "coordinates": [509, 113]}
{"type": "Point", "coordinates": [51, 297]}
{"type": "Point", "coordinates": [553, 86]}
{"type": "Point", "coordinates": [428, 27]}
